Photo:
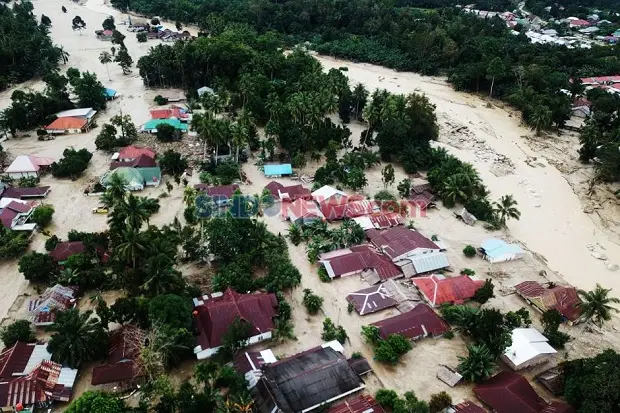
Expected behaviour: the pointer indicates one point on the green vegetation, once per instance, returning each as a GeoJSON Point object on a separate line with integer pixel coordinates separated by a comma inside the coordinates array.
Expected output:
{"type": "Point", "coordinates": [484, 293]}
{"type": "Point", "coordinates": [333, 332]}
{"type": "Point", "coordinates": [596, 306]}
{"type": "Point", "coordinates": [469, 251]}
{"type": "Point", "coordinates": [551, 320]}
{"type": "Point", "coordinates": [20, 330]}
{"type": "Point", "coordinates": [387, 350]}
{"type": "Point", "coordinates": [121, 131]}
{"type": "Point", "coordinates": [12, 243]}
{"type": "Point", "coordinates": [37, 267]}
{"type": "Point", "coordinates": [42, 215]}
{"type": "Point", "coordinates": [72, 164]}
{"type": "Point", "coordinates": [478, 365]}
{"type": "Point", "coordinates": [312, 302]}
{"type": "Point", "coordinates": [439, 401]}
{"type": "Point", "coordinates": [97, 402]}
{"type": "Point", "coordinates": [590, 384]}
{"type": "Point", "coordinates": [409, 404]}
{"type": "Point", "coordinates": [321, 239]}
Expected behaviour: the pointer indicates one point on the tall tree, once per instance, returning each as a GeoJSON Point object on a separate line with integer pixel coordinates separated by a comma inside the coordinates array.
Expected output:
{"type": "Point", "coordinates": [78, 24]}
{"type": "Point", "coordinates": [507, 208]}
{"type": "Point", "coordinates": [596, 304]}
{"type": "Point", "coordinates": [104, 58]}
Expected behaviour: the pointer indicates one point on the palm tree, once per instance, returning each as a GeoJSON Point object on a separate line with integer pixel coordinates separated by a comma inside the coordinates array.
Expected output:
{"type": "Point", "coordinates": [506, 208]}
{"type": "Point", "coordinates": [133, 210]}
{"type": "Point", "coordinates": [63, 55]}
{"type": "Point", "coordinates": [360, 95]}
{"type": "Point", "coordinates": [115, 190]}
{"type": "Point", "coordinates": [596, 304]}
{"type": "Point", "coordinates": [540, 119]}
{"type": "Point", "coordinates": [239, 137]}
{"type": "Point", "coordinates": [131, 247]}
{"type": "Point", "coordinates": [283, 330]}
{"type": "Point", "coordinates": [163, 278]}
{"type": "Point", "coordinates": [104, 58]}
{"type": "Point", "coordinates": [189, 195]}
{"type": "Point", "coordinates": [478, 365]}
{"type": "Point", "coordinates": [77, 338]}
{"type": "Point", "coordinates": [452, 191]}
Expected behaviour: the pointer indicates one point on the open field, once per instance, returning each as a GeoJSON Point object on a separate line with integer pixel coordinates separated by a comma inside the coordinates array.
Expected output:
{"type": "Point", "coordinates": [542, 174]}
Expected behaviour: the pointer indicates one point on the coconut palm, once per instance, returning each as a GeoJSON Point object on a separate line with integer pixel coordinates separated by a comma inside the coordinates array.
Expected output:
{"type": "Point", "coordinates": [360, 95]}
{"type": "Point", "coordinates": [540, 119]}
{"type": "Point", "coordinates": [104, 58]}
{"type": "Point", "coordinates": [133, 211]}
{"type": "Point", "coordinates": [77, 338]}
{"type": "Point", "coordinates": [132, 246]}
{"type": "Point", "coordinates": [452, 191]}
{"type": "Point", "coordinates": [63, 55]}
{"type": "Point", "coordinates": [162, 277]}
{"type": "Point", "coordinates": [478, 365]}
{"type": "Point", "coordinates": [240, 134]}
{"type": "Point", "coordinates": [115, 190]}
{"type": "Point", "coordinates": [189, 195]}
{"type": "Point", "coordinates": [595, 305]}
{"type": "Point", "coordinates": [506, 208]}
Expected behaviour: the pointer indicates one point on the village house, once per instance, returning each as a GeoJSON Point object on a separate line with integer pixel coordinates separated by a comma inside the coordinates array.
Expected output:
{"type": "Point", "coordinates": [72, 121]}
{"type": "Point", "coordinates": [55, 299]}
{"type": "Point", "coordinates": [372, 299]}
{"type": "Point", "coordinates": [411, 251]}
{"type": "Point", "coordinates": [327, 192]}
{"type": "Point", "coordinates": [142, 161]}
{"type": "Point", "coordinates": [302, 212]}
{"type": "Point", "coordinates": [25, 193]}
{"type": "Point", "coordinates": [380, 220]}
{"type": "Point", "coordinates": [529, 348]}
{"type": "Point", "coordinates": [14, 214]}
{"type": "Point", "coordinates": [134, 179]}
{"type": "Point", "coordinates": [173, 112]}
{"type": "Point", "coordinates": [106, 35]}
{"type": "Point", "coordinates": [302, 382]}
{"type": "Point", "coordinates": [64, 250]}
{"type": "Point", "coordinates": [556, 297]}
{"type": "Point", "coordinates": [28, 378]}
{"type": "Point", "coordinates": [122, 369]}
{"type": "Point", "coordinates": [151, 125]}
{"type": "Point", "coordinates": [420, 322]}
{"type": "Point", "coordinates": [509, 392]}
{"type": "Point", "coordinates": [364, 260]}
{"type": "Point", "coordinates": [214, 313]}
{"type": "Point", "coordinates": [28, 166]}
{"type": "Point", "coordinates": [131, 153]}
{"type": "Point", "coordinates": [496, 250]}
{"type": "Point", "coordinates": [339, 207]}
{"type": "Point", "coordinates": [110, 94]}
{"type": "Point", "coordinates": [437, 289]}
{"type": "Point", "coordinates": [465, 407]}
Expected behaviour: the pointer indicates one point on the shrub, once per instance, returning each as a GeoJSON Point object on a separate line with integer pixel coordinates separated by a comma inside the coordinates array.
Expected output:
{"type": "Point", "coordinates": [449, 335]}
{"type": "Point", "coordinates": [166, 133]}
{"type": "Point", "coordinates": [19, 330]}
{"type": "Point", "coordinates": [37, 267]}
{"type": "Point", "coordinates": [356, 355]}
{"type": "Point", "coordinates": [28, 182]}
{"type": "Point", "coordinates": [391, 349]}
{"type": "Point", "coordinates": [384, 195]}
{"type": "Point", "coordinates": [141, 37]}
{"type": "Point", "coordinates": [312, 302]}
{"type": "Point", "coordinates": [333, 332]}
{"type": "Point", "coordinates": [350, 308]}
{"type": "Point", "coordinates": [190, 215]}
{"type": "Point", "coordinates": [323, 276]}
{"type": "Point", "coordinates": [485, 293]}
{"type": "Point", "coordinates": [469, 251]}
{"type": "Point", "coordinates": [439, 401]}
{"type": "Point", "coordinates": [51, 243]}
{"type": "Point", "coordinates": [42, 215]}
{"type": "Point", "coordinates": [468, 271]}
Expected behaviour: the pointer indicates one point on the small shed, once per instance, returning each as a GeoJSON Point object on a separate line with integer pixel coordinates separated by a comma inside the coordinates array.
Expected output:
{"type": "Point", "coordinates": [278, 170]}
{"type": "Point", "coordinates": [448, 375]}
{"type": "Point", "coordinates": [110, 94]}
{"type": "Point", "coordinates": [529, 348]}
{"type": "Point", "coordinates": [466, 216]}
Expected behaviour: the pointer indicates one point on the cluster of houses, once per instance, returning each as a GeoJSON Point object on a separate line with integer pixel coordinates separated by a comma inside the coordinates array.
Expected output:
{"type": "Point", "coordinates": [152, 33]}
{"type": "Point", "coordinates": [320, 376]}
{"type": "Point", "coordinates": [136, 165]}
{"type": "Point", "coordinates": [175, 116]}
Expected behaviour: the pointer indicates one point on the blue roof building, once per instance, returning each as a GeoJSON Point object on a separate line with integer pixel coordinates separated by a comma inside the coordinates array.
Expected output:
{"type": "Point", "coordinates": [495, 250]}
{"type": "Point", "coordinates": [278, 170]}
{"type": "Point", "coordinates": [110, 93]}
{"type": "Point", "coordinates": [151, 125]}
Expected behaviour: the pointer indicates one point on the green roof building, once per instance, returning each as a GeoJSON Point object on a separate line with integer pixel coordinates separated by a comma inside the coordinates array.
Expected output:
{"type": "Point", "coordinates": [151, 176]}
{"type": "Point", "coordinates": [151, 125]}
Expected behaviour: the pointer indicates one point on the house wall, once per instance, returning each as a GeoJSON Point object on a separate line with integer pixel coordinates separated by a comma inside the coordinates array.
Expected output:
{"type": "Point", "coordinates": [17, 175]}
{"type": "Point", "coordinates": [502, 258]}
{"type": "Point", "coordinates": [539, 359]}
{"type": "Point", "coordinates": [209, 352]}
{"type": "Point", "coordinates": [348, 274]}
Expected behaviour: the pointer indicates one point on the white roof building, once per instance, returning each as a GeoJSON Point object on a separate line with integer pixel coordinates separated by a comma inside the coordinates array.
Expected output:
{"type": "Point", "coordinates": [86, 113]}
{"type": "Point", "coordinates": [326, 192]}
{"type": "Point", "coordinates": [26, 165]}
{"type": "Point", "coordinates": [529, 348]}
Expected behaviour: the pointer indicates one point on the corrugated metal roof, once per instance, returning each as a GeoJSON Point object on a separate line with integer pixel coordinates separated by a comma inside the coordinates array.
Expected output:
{"type": "Point", "coordinates": [372, 299]}
{"type": "Point", "coordinates": [278, 169]}
{"type": "Point", "coordinates": [429, 262]}
{"type": "Point", "coordinates": [417, 323]}
{"type": "Point", "coordinates": [357, 404]}
{"type": "Point", "coordinates": [561, 298]}
{"type": "Point", "coordinates": [399, 241]}
{"type": "Point", "coordinates": [454, 290]}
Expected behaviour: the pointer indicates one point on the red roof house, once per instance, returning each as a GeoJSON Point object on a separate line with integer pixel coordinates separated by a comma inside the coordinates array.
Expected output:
{"type": "Point", "coordinates": [15, 213]}
{"type": "Point", "coordinates": [29, 377]}
{"type": "Point", "coordinates": [372, 299]}
{"type": "Point", "coordinates": [142, 161]}
{"type": "Point", "coordinates": [362, 403]}
{"type": "Point", "coordinates": [438, 290]}
{"type": "Point", "coordinates": [561, 298]}
{"type": "Point", "coordinates": [579, 23]}
{"type": "Point", "coordinates": [302, 212]}
{"type": "Point", "coordinates": [356, 260]}
{"type": "Point", "coordinates": [339, 207]}
{"type": "Point", "coordinates": [274, 187]}
{"type": "Point", "coordinates": [68, 125]}
{"type": "Point", "coordinates": [294, 192]}
{"type": "Point", "coordinates": [509, 392]}
{"type": "Point", "coordinates": [131, 152]}
{"type": "Point", "coordinates": [24, 193]}
{"type": "Point", "coordinates": [225, 191]}
{"type": "Point", "coordinates": [64, 250]}
{"type": "Point", "coordinates": [167, 113]}
{"type": "Point", "coordinates": [400, 242]}
{"type": "Point", "coordinates": [380, 220]}
{"type": "Point", "coordinates": [213, 315]}
{"type": "Point", "coordinates": [122, 366]}
{"type": "Point", "coordinates": [420, 322]}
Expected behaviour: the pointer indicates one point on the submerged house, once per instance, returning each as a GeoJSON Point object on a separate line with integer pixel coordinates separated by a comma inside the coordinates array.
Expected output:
{"type": "Point", "coordinates": [26, 166]}
{"type": "Point", "coordinates": [214, 313]}
{"type": "Point", "coordinates": [122, 369]}
{"type": "Point", "coordinates": [28, 378]}
{"type": "Point", "coordinates": [222, 195]}
{"type": "Point", "coordinates": [364, 260]}
{"type": "Point", "coordinates": [362, 403]}
{"type": "Point", "coordinates": [302, 382]}
{"type": "Point", "coordinates": [437, 289]}
{"type": "Point", "coordinates": [496, 250]}
{"type": "Point", "coordinates": [557, 297]}
{"type": "Point", "coordinates": [14, 214]}
{"type": "Point", "coordinates": [372, 299]}
{"type": "Point", "coordinates": [55, 299]}
{"type": "Point", "coordinates": [408, 249]}
{"type": "Point", "coordinates": [417, 323]}
{"type": "Point", "coordinates": [278, 170]}
{"type": "Point", "coordinates": [134, 180]}
{"type": "Point", "coordinates": [529, 348]}
{"type": "Point", "coordinates": [72, 121]}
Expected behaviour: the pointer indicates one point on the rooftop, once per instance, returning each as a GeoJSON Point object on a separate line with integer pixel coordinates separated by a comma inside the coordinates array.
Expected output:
{"type": "Point", "coordinates": [176, 123]}
{"type": "Point", "coordinates": [68, 122]}
{"type": "Point", "coordinates": [78, 113]}
{"type": "Point", "coordinates": [215, 314]}
{"type": "Point", "coordinates": [358, 404]}
{"type": "Point", "coordinates": [380, 220]}
{"type": "Point", "coordinates": [54, 299]}
{"type": "Point", "coordinates": [142, 161]}
{"type": "Point", "coordinates": [306, 380]}
{"type": "Point", "coordinates": [132, 152]}
{"type": "Point", "coordinates": [439, 290]}
{"type": "Point", "coordinates": [420, 322]}
{"type": "Point", "coordinates": [509, 392]}
{"type": "Point", "coordinates": [561, 298]}
{"type": "Point", "coordinates": [372, 299]}
{"type": "Point", "coordinates": [278, 169]}
{"type": "Point", "coordinates": [224, 191]}
{"type": "Point", "coordinates": [527, 344]}
{"type": "Point", "coordinates": [64, 250]}
{"type": "Point", "coordinates": [28, 163]}
{"type": "Point", "coordinates": [359, 258]}
{"type": "Point", "coordinates": [122, 363]}
{"type": "Point", "coordinates": [399, 241]}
